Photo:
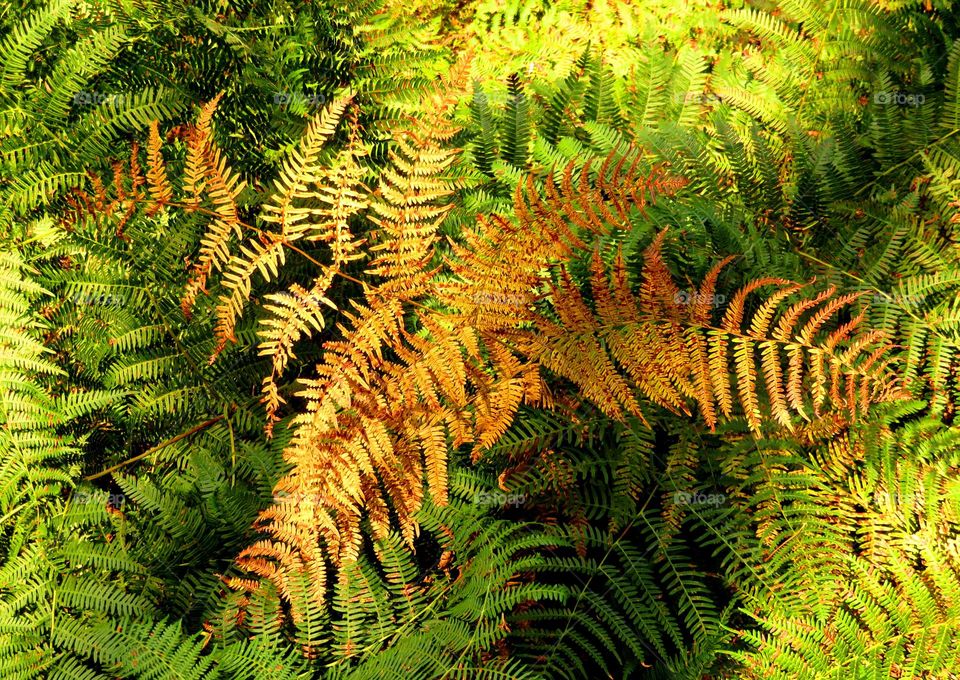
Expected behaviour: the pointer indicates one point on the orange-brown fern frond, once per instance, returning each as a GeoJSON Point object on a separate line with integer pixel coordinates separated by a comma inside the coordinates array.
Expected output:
{"type": "Point", "coordinates": [207, 172]}
{"type": "Point", "coordinates": [161, 193]}
{"type": "Point", "coordinates": [407, 383]}
{"type": "Point", "coordinates": [303, 180]}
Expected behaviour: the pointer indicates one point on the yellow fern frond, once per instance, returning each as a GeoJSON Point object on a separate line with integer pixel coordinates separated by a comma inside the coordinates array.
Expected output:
{"type": "Point", "coordinates": [223, 186]}
{"type": "Point", "coordinates": [290, 316]}
{"type": "Point", "coordinates": [409, 209]}
{"type": "Point", "coordinates": [302, 181]}
{"type": "Point", "coordinates": [198, 142]}
{"type": "Point", "coordinates": [161, 192]}
{"type": "Point", "coordinates": [341, 195]}
{"type": "Point", "coordinates": [265, 256]}
{"type": "Point", "coordinates": [410, 201]}
{"type": "Point", "coordinates": [301, 169]}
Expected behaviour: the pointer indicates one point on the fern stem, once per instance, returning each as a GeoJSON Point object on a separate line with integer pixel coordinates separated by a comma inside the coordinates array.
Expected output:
{"type": "Point", "coordinates": [161, 445]}
{"type": "Point", "coordinates": [921, 152]}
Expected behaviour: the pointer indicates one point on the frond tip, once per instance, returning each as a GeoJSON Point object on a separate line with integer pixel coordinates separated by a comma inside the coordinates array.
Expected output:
{"type": "Point", "coordinates": [782, 362]}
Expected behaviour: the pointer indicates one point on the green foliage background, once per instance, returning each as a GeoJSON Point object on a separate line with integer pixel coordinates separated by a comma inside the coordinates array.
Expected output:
{"type": "Point", "coordinates": [819, 140]}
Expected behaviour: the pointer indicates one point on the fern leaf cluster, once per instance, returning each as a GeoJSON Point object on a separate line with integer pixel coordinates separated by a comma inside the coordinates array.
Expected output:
{"type": "Point", "coordinates": [513, 339]}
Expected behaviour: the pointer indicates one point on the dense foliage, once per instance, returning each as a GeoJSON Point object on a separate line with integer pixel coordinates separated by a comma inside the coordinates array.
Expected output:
{"type": "Point", "coordinates": [496, 339]}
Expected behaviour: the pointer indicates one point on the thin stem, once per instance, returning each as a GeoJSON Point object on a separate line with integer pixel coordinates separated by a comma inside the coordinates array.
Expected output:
{"type": "Point", "coordinates": [154, 449]}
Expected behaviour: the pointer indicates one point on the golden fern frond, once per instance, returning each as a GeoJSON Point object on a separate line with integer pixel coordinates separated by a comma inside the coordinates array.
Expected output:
{"type": "Point", "coordinates": [499, 267]}
{"type": "Point", "coordinates": [371, 430]}
{"type": "Point", "coordinates": [341, 195]}
{"type": "Point", "coordinates": [198, 139]}
{"type": "Point", "coordinates": [408, 208]}
{"type": "Point", "coordinates": [432, 436]}
{"type": "Point", "coordinates": [223, 186]}
{"type": "Point", "coordinates": [487, 292]}
{"type": "Point", "coordinates": [290, 316]}
{"type": "Point", "coordinates": [780, 341]}
{"type": "Point", "coordinates": [291, 208]}
{"type": "Point", "coordinates": [301, 169]}
{"type": "Point", "coordinates": [266, 256]}
{"type": "Point", "coordinates": [409, 203]}
{"type": "Point", "coordinates": [387, 404]}
{"type": "Point", "coordinates": [161, 193]}
{"type": "Point", "coordinates": [670, 355]}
